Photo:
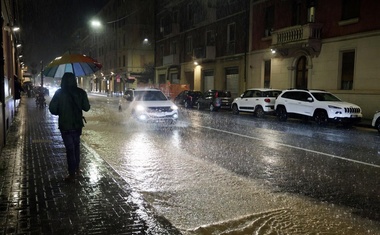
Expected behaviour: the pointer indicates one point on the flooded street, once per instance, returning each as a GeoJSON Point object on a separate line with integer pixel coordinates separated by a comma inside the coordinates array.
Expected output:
{"type": "Point", "coordinates": [203, 181]}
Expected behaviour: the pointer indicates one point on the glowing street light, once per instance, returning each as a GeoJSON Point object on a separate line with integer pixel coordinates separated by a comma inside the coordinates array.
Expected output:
{"type": "Point", "coordinates": [96, 23]}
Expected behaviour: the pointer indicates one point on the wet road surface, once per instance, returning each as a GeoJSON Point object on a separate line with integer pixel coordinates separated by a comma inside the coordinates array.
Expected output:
{"type": "Point", "coordinates": [215, 173]}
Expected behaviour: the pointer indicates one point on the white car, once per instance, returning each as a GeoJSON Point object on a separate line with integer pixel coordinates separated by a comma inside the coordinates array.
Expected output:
{"type": "Point", "coordinates": [319, 105]}
{"type": "Point", "coordinates": [151, 105]}
{"type": "Point", "coordinates": [376, 120]}
{"type": "Point", "coordinates": [259, 101]}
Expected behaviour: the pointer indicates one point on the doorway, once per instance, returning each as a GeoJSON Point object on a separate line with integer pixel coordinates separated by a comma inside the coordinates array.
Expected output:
{"type": "Point", "coordinates": [301, 73]}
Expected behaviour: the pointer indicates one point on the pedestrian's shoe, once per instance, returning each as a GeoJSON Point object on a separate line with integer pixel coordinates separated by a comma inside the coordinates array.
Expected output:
{"type": "Point", "coordinates": [70, 178]}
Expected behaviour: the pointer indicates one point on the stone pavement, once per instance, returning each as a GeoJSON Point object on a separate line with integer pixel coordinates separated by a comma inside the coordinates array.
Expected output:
{"type": "Point", "coordinates": [34, 198]}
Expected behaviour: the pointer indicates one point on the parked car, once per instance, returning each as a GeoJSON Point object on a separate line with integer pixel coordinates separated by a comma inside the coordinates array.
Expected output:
{"type": "Point", "coordinates": [259, 101]}
{"type": "Point", "coordinates": [151, 105]}
{"type": "Point", "coordinates": [214, 100]}
{"type": "Point", "coordinates": [187, 98]}
{"type": "Point", "coordinates": [321, 106]}
{"type": "Point", "coordinates": [376, 120]}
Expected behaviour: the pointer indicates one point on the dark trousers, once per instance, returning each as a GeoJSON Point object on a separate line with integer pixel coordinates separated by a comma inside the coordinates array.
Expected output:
{"type": "Point", "coordinates": [71, 140]}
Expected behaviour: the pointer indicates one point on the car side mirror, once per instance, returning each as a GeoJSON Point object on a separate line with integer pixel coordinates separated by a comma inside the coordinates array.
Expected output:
{"type": "Point", "coordinates": [310, 99]}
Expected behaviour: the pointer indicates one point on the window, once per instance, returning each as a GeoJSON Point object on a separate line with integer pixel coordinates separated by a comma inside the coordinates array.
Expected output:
{"type": "Point", "coordinates": [296, 16]}
{"type": "Point", "coordinates": [347, 70]}
{"type": "Point", "coordinates": [267, 65]}
{"type": "Point", "coordinates": [161, 50]}
{"type": "Point", "coordinates": [350, 9]}
{"type": "Point", "coordinates": [231, 36]}
{"type": "Point", "coordinates": [173, 48]}
{"type": "Point", "coordinates": [248, 93]}
{"type": "Point", "coordinates": [175, 17]}
{"type": "Point", "coordinates": [210, 38]}
{"type": "Point", "coordinates": [190, 13]}
{"type": "Point", "coordinates": [189, 45]}
{"type": "Point", "coordinates": [269, 21]}
{"type": "Point", "coordinates": [231, 33]}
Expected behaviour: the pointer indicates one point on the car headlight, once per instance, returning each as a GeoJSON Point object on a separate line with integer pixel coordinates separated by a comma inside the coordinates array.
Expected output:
{"type": "Point", "coordinates": [174, 107]}
{"type": "Point", "coordinates": [334, 107]}
{"type": "Point", "coordinates": [140, 108]}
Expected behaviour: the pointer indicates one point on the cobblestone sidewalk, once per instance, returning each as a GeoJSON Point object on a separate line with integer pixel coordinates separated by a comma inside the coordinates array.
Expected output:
{"type": "Point", "coordinates": [34, 198]}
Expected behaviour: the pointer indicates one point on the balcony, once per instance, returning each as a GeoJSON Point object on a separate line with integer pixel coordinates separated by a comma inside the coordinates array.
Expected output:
{"type": "Point", "coordinates": [171, 59]}
{"type": "Point", "coordinates": [288, 40]}
{"type": "Point", "coordinates": [204, 53]}
{"type": "Point", "coordinates": [170, 29]}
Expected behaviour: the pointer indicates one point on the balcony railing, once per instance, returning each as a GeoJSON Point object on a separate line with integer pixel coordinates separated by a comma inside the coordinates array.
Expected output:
{"type": "Point", "coordinates": [171, 59]}
{"type": "Point", "coordinates": [297, 34]}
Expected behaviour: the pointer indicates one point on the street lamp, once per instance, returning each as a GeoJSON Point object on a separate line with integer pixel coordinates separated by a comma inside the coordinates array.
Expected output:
{"type": "Point", "coordinates": [96, 23]}
{"type": "Point", "coordinates": [98, 26]}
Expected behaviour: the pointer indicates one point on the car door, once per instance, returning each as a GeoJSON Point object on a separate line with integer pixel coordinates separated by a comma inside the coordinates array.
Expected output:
{"type": "Point", "coordinates": [299, 102]}
{"type": "Point", "coordinates": [305, 104]}
{"type": "Point", "coordinates": [246, 102]}
{"type": "Point", "coordinates": [292, 101]}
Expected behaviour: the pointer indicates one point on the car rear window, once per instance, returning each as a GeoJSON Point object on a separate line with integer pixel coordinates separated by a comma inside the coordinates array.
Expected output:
{"type": "Point", "coordinates": [224, 94]}
{"type": "Point", "coordinates": [271, 93]}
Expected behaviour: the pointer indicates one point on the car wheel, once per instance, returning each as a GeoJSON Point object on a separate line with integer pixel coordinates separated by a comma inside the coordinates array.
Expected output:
{"type": "Point", "coordinates": [259, 112]}
{"type": "Point", "coordinates": [212, 108]}
{"type": "Point", "coordinates": [378, 125]}
{"type": "Point", "coordinates": [235, 109]}
{"type": "Point", "coordinates": [282, 114]}
{"type": "Point", "coordinates": [187, 105]}
{"type": "Point", "coordinates": [199, 106]}
{"type": "Point", "coordinates": [321, 117]}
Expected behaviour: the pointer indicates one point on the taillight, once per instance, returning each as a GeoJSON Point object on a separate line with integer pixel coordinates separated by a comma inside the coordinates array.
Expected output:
{"type": "Point", "coordinates": [267, 100]}
{"type": "Point", "coordinates": [190, 97]}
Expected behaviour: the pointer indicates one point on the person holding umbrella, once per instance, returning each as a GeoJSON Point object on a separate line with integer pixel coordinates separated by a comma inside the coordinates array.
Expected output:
{"type": "Point", "coordinates": [68, 103]}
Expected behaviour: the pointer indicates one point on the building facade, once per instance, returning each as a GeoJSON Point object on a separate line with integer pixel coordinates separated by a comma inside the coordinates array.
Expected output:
{"type": "Point", "coordinates": [11, 65]}
{"type": "Point", "coordinates": [317, 44]}
{"type": "Point", "coordinates": [202, 43]}
{"type": "Point", "coordinates": [123, 43]}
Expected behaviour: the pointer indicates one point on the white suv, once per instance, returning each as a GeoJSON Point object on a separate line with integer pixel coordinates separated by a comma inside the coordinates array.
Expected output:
{"type": "Point", "coordinates": [151, 105]}
{"type": "Point", "coordinates": [322, 106]}
{"type": "Point", "coordinates": [258, 101]}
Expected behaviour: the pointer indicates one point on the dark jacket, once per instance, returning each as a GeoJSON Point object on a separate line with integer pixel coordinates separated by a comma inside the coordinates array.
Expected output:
{"type": "Point", "coordinates": [68, 103]}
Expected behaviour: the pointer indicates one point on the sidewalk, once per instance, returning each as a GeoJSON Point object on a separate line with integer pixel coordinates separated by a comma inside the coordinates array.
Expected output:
{"type": "Point", "coordinates": [34, 198]}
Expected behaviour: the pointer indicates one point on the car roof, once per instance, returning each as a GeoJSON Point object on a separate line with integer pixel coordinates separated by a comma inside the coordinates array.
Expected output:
{"type": "Point", "coordinates": [307, 90]}
{"type": "Point", "coordinates": [264, 89]}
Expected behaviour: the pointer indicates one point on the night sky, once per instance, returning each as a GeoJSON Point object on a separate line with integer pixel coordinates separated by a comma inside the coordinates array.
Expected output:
{"type": "Point", "coordinates": [47, 26]}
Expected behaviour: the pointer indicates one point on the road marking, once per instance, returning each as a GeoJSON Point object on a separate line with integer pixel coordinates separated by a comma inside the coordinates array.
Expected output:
{"type": "Point", "coordinates": [291, 146]}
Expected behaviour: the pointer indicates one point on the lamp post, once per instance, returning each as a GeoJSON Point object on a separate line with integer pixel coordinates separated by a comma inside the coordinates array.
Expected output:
{"type": "Point", "coordinates": [95, 26]}
{"type": "Point", "coordinates": [98, 25]}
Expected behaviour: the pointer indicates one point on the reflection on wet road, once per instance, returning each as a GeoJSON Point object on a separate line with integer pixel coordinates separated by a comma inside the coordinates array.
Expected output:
{"type": "Point", "coordinates": [214, 173]}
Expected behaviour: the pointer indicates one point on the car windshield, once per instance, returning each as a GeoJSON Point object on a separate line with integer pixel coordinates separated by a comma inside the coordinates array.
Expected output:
{"type": "Point", "coordinates": [271, 93]}
{"type": "Point", "coordinates": [218, 94]}
{"type": "Point", "coordinates": [324, 96]}
{"type": "Point", "coordinates": [149, 96]}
